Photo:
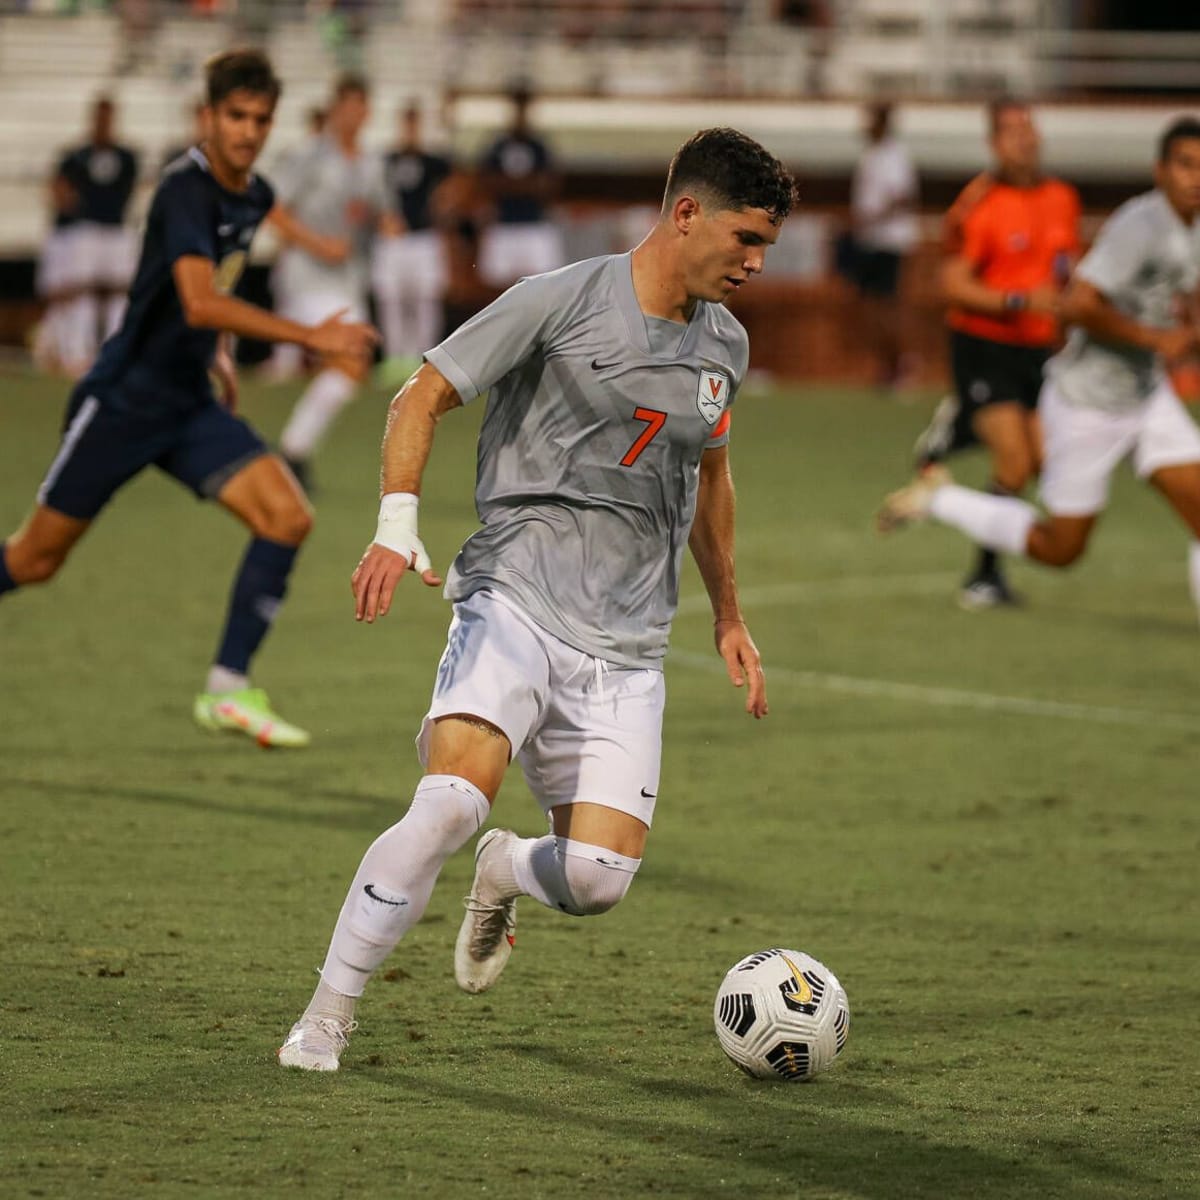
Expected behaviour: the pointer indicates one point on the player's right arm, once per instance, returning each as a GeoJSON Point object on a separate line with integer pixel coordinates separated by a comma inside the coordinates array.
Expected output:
{"type": "Point", "coordinates": [332, 250]}
{"type": "Point", "coordinates": [1086, 305]}
{"type": "Point", "coordinates": [407, 441]}
{"type": "Point", "coordinates": [205, 307]}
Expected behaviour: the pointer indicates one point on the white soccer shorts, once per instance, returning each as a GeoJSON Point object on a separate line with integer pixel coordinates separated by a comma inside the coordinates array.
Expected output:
{"type": "Point", "coordinates": [314, 306]}
{"type": "Point", "coordinates": [106, 255]}
{"type": "Point", "coordinates": [509, 252]}
{"type": "Point", "coordinates": [584, 730]}
{"type": "Point", "coordinates": [59, 268]}
{"type": "Point", "coordinates": [410, 266]}
{"type": "Point", "coordinates": [1083, 446]}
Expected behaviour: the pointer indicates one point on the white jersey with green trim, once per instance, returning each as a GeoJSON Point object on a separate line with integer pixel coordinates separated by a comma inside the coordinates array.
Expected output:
{"type": "Point", "coordinates": [1143, 259]}
{"type": "Point", "coordinates": [590, 449]}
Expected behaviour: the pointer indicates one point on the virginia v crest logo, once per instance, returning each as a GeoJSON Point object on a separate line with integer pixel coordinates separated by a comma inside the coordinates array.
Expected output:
{"type": "Point", "coordinates": [712, 394]}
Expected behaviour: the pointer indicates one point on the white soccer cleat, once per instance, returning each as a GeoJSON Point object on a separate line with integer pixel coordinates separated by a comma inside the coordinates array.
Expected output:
{"type": "Point", "coordinates": [486, 937]}
{"type": "Point", "coordinates": [316, 1043]}
{"type": "Point", "coordinates": [911, 503]}
{"type": "Point", "coordinates": [937, 438]}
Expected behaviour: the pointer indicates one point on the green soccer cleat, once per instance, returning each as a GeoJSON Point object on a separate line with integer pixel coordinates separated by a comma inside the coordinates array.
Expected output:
{"type": "Point", "coordinates": [248, 712]}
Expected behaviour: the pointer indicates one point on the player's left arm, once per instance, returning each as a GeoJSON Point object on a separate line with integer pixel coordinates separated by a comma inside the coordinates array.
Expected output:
{"type": "Point", "coordinates": [711, 544]}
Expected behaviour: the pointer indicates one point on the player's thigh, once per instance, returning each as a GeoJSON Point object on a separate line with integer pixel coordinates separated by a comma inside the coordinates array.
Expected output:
{"type": "Point", "coordinates": [600, 742]}
{"type": "Point", "coordinates": [471, 748]}
{"type": "Point", "coordinates": [599, 825]}
{"type": "Point", "coordinates": [265, 496]}
{"type": "Point", "coordinates": [41, 544]}
{"type": "Point", "coordinates": [1058, 541]}
{"type": "Point", "coordinates": [1081, 449]}
{"type": "Point", "coordinates": [1168, 454]}
{"type": "Point", "coordinates": [493, 675]}
{"type": "Point", "coordinates": [1181, 486]}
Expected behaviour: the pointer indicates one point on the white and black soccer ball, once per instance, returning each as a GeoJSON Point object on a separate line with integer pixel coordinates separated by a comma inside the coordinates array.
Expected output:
{"type": "Point", "coordinates": [780, 1014]}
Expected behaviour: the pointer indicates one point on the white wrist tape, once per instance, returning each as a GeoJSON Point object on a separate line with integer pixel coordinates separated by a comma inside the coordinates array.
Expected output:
{"type": "Point", "coordinates": [397, 529]}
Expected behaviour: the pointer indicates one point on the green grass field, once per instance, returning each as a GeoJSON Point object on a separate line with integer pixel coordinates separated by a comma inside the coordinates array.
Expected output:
{"type": "Point", "coordinates": [987, 825]}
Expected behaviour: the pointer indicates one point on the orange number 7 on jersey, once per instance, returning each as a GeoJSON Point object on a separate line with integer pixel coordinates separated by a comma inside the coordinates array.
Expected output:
{"type": "Point", "coordinates": [655, 420]}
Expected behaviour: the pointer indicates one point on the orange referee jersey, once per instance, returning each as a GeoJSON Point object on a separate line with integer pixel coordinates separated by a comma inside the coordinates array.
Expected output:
{"type": "Point", "coordinates": [1015, 239]}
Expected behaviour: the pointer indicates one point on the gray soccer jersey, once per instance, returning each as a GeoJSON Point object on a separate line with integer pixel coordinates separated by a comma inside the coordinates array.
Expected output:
{"type": "Point", "coordinates": [320, 184]}
{"type": "Point", "coordinates": [590, 450]}
{"type": "Point", "coordinates": [1142, 260]}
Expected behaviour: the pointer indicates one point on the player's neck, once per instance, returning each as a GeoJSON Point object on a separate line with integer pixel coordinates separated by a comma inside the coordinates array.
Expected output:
{"type": "Point", "coordinates": [1185, 215]}
{"type": "Point", "coordinates": [1018, 178]}
{"type": "Point", "coordinates": [230, 178]}
{"type": "Point", "coordinates": [658, 283]}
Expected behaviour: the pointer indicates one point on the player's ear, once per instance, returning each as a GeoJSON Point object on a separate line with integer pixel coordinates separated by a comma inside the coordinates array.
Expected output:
{"type": "Point", "coordinates": [684, 213]}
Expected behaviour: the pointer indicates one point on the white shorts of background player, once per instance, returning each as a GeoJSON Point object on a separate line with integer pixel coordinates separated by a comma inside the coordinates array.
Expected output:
{"type": "Point", "coordinates": [508, 252]}
{"type": "Point", "coordinates": [1083, 446]}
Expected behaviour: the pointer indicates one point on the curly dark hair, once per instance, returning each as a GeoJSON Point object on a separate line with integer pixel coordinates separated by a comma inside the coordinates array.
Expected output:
{"type": "Point", "coordinates": [1184, 129]}
{"type": "Point", "coordinates": [732, 169]}
{"type": "Point", "coordinates": [241, 69]}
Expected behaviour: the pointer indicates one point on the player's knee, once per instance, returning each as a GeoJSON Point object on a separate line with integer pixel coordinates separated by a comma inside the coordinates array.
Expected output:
{"type": "Point", "coordinates": [594, 887]}
{"type": "Point", "coordinates": [289, 524]}
{"type": "Point", "coordinates": [37, 566]}
{"type": "Point", "coordinates": [1062, 551]}
{"type": "Point", "coordinates": [1013, 469]}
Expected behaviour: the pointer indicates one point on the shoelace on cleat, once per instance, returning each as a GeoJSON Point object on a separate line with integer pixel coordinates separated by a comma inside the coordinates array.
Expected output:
{"type": "Point", "coordinates": [337, 1031]}
{"type": "Point", "coordinates": [492, 922]}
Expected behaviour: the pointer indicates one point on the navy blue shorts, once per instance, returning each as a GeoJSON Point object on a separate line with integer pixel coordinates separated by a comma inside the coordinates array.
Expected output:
{"type": "Point", "coordinates": [103, 448]}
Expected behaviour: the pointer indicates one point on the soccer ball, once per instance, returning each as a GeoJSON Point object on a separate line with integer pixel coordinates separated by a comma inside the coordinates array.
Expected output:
{"type": "Point", "coordinates": [780, 1014]}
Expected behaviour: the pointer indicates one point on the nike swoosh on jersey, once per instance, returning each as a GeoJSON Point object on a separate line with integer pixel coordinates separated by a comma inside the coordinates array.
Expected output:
{"type": "Point", "coordinates": [649, 795]}
{"type": "Point", "coordinates": [597, 365]}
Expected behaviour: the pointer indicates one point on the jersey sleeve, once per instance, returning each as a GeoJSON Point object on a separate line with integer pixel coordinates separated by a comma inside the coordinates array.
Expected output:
{"type": "Point", "coordinates": [741, 364]}
{"type": "Point", "coordinates": [967, 201]}
{"type": "Point", "coordinates": [1118, 252]}
{"type": "Point", "coordinates": [184, 203]}
{"type": "Point", "coordinates": [500, 338]}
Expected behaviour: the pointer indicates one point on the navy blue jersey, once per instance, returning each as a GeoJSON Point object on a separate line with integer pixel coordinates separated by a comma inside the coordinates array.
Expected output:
{"type": "Point", "coordinates": [412, 176]}
{"type": "Point", "coordinates": [104, 178]}
{"type": "Point", "coordinates": [155, 360]}
{"type": "Point", "coordinates": [517, 156]}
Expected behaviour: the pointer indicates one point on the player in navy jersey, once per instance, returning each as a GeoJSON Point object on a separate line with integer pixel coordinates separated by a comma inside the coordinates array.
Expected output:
{"type": "Point", "coordinates": [518, 174]}
{"type": "Point", "coordinates": [409, 272]}
{"type": "Point", "coordinates": [149, 399]}
{"type": "Point", "coordinates": [101, 175]}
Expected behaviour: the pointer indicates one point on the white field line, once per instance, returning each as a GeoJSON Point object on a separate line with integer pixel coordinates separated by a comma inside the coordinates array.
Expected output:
{"type": "Point", "coordinates": [941, 697]}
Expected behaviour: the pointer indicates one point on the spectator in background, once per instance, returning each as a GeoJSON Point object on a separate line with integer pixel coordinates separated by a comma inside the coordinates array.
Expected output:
{"type": "Point", "coordinates": [55, 346]}
{"type": "Point", "coordinates": [518, 175]}
{"type": "Point", "coordinates": [409, 271]}
{"type": "Point", "coordinates": [883, 197]}
{"type": "Point", "coordinates": [101, 175]}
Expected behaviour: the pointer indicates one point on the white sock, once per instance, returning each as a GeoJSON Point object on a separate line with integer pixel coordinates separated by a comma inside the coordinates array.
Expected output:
{"type": "Point", "coordinates": [574, 877]}
{"type": "Point", "coordinates": [314, 412]}
{"type": "Point", "coordinates": [222, 679]}
{"type": "Point", "coordinates": [999, 523]}
{"type": "Point", "coordinates": [396, 877]}
{"type": "Point", "coordinates": [1194, 572]}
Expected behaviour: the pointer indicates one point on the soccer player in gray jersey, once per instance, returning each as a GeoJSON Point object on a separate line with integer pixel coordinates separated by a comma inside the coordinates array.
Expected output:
{"type": "Point", "coordinates": [603, 453]}
{"type": "Point", "coordinates": [1108, 393]}
{"type": "Point", "coordinates": [336, 188]}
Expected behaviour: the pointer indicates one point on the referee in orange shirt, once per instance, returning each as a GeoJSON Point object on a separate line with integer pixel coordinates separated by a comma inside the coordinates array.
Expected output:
{"type": "Point", "coordinates": [1012, 238]}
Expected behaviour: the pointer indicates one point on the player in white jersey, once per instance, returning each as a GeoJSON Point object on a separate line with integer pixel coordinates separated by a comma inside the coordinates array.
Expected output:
{"type": "Point", "coordinates": [337, 189]}
{"type": "Point", "coordinates": [603, 454]}
{"type": "Point", "coordinates": [1108, 394]}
